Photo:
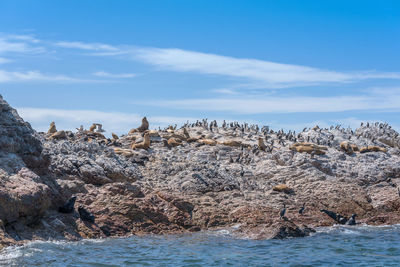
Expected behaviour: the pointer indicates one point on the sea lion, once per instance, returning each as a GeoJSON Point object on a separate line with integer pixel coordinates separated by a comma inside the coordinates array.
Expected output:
{"type": "Point", "coordinates": [52, 128]}
{"type": "Point", "coordinates": [69, 206]}
{"type": "Point", "coordinates": [308, 148]}
{"type": "Point", "coordinates": [209, 142]}
{"type": "Point", "coordinates": [233, 143]}
{"type": "Point", "coordinates": [173, 142]}
{"type": "Point", "coordinates": [96, 135]}
{"type": "Point", "coordinates": [372, 149]}
{"type": "Point", "coordinates": [85, 215]}
{"type": "Point", "coordinates": [93, 127]}
{"type": "Point", "coordinates": [125, 152]}
{"type": "Point", "coordinates": [346, 147]}
{"type": "Point", "coordinates": [114, 136]}
{"type": "Point", "coordinates": [336, 216]}
{"type": "Point", "coordinates": [142, 128]}
{"type": "Point", "coordinates": [261, 144]}
{"type": "Point", "coordinates": [145, 144]}
{"type": "Point", "coordinates": [59, 135]}
{"type": "Point", "coordinates": [282, 188]}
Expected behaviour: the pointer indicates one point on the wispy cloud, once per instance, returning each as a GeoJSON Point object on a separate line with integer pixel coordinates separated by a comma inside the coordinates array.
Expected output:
{"type": "Point", "coordinates": [36, 76]}
{"type": "Point", "coordinates": [279, 104]}
{"type": "Point", "coordinates": [117, 122]}
{"type": "Point", "coordinates": [87, 46]}
{"type": "Point", "coordinates": [10, 43]}
{"type": "Point", "coordinates": [261, 72]}
{"type": "Point", "coordinates": [114, 75]}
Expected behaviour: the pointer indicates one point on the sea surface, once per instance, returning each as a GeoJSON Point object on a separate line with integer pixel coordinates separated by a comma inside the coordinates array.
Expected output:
{"type": "Point", "coordinates": [334, 246]}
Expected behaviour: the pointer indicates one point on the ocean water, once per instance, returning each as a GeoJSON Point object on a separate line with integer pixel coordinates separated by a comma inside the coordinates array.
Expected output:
{"type": "Point", "coordinates": [334, 246]}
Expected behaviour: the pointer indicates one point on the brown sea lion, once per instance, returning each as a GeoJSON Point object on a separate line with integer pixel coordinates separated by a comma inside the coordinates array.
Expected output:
{"type": "Point", "coordinates": [145, 144]}
{"type": "Point", "coordinates": [52, 128]}
{"type": "Point", "coordinates": [142, 128]}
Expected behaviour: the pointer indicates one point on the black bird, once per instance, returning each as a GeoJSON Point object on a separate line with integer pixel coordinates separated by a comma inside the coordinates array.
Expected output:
{"type": "Point", "coordinates": [69, 206]}
{"type": "Point", "coordinates": [301, 210]}
{"type": "Point", "coordinates": [283, 211]}
{"type": "Point", "coordinates": [85, 214]}
{"type": "Point", "coordinates": [352, 220]}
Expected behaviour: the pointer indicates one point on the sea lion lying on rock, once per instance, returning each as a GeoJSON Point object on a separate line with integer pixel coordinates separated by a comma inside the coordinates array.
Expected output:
{"type": "Point", "coordinates": [173, 142]}
{"type": "Point", "coordinates": [59, 135]}
{"type": "Point", "coordinates": [282, 188]}
{"type": "Point", "coordinates": [339, 218]}
{"type": "Point", "coordinates": [96, 135]}
{"type": "Point", "coordinates": [124, 152]}
{"type": "Point", "coordinates": [233, 143]}
{"type": "Point", "coordinates": [209, 142]}
{"type": "Point", "coordinates": [372, 149]}
{"type": "Point", "coordinates": [348, 148]}
{"type": "Point", "coordinates": [308, 148]}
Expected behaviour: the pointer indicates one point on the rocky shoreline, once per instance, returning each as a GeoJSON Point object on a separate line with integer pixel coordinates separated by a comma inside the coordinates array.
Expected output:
{"type": "Point", "coordinates": [200, 176]}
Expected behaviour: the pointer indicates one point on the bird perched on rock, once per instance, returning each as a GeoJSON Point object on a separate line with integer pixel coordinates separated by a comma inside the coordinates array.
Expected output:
{"type": "Point", "coordinates": [301, 210]}
{"type": "Point", "coordinates": [85, 215]}
{"type": "Point", "coordinates": [282, 212]}
{"type": "Point", "coordinates": [69, 206]}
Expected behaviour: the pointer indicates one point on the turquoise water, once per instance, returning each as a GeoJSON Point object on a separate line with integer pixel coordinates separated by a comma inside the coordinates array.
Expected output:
{"type": "Point", "coordinates": [335, 246]}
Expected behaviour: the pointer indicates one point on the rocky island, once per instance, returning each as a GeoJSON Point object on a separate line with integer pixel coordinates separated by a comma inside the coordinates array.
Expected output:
{"type": "Point", "coordinates": [257, 182]}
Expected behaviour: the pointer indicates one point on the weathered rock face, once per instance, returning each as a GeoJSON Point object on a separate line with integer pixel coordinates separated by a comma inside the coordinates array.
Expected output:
{"type": "Point", "coordinates": [17, 137]}
{"type": "Point", "coordinates": [23, 196]}
{"type": "Point", "coordinates": [228, 181]}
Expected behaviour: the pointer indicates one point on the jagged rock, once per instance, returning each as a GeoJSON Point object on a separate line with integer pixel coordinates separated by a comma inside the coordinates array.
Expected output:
{"type": "Point", "coordinates": [216, 177]}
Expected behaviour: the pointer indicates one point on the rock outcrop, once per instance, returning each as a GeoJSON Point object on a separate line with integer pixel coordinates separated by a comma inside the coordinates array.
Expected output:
{"type": "Point", "coordinates": [199, 177]}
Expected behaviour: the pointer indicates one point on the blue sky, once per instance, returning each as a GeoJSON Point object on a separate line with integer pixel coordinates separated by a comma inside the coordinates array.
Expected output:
{"type": "Point", "coordinates": [287, 64]}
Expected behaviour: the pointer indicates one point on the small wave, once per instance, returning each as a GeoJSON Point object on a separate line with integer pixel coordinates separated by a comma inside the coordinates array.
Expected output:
{"type": "Point", "coordinates": [10, 253]}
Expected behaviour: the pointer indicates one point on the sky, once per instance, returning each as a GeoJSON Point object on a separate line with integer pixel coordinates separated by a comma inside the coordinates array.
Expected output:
{"type": "Point", "coordinates": [285, 64]}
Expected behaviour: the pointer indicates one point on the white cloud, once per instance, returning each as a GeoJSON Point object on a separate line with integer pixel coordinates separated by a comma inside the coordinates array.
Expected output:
{"type": "Point", "coordinates": [87, 46]}
{"type": "Point", "coordinates": [253, 73]}
{"type": "Point", "coordinates": [278, 104]}
{"type": "Point", "coordinates": [36, 76]}
{"type": "Point", "coordinates": [259, 72]}
{"type": "Point", "coordinates": [19, 44]}
{"type": "Point", "coordinates": [116, 122]}
{"type": "Point", "coordinates": [114, 75]}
